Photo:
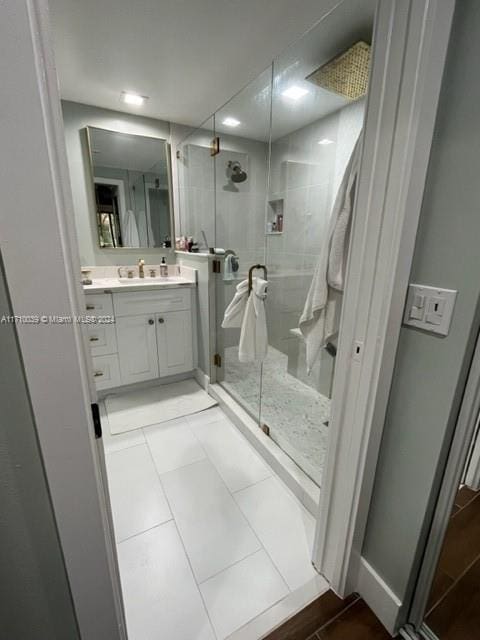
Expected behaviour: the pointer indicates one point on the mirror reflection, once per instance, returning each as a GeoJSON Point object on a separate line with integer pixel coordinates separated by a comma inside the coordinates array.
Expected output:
{"type": "Point", "coordinates": [453, 606]}
{"type": "Point", "coordinates": [131, 185]}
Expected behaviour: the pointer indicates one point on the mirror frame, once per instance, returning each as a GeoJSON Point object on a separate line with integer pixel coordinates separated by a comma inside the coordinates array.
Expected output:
{"type": "Point", "coordinates": [91, 187]}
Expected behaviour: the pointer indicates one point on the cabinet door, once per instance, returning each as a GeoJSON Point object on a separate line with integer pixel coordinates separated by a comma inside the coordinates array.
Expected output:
{"type": "Point", "coordinates": [174, 342]}
{"type": "Point", "coordinates": [137, 349]}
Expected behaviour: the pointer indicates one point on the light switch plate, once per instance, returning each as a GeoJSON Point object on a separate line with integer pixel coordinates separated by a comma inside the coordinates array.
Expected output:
{"type": "Point", "coordinates": [429, 308]}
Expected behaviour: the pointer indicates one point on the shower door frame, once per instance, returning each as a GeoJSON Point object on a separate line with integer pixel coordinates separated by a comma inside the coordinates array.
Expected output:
{"type": "Point", "coordinates": [411, 41]}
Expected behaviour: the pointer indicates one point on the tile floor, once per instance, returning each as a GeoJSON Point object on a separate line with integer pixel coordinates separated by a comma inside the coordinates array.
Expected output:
{"type": "Point", "coordinates": [208, 537]}
{"type": "Point", "coordinates": [295, 413]}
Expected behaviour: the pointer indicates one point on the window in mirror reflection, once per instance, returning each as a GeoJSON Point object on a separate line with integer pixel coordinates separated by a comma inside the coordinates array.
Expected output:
{"type": "Point", "coordinates": [131, 184]}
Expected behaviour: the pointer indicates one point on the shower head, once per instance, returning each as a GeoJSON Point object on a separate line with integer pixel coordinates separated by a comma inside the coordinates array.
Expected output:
{"type": "Point", "coordinates": [347, 74]}
{"type": "Point", "coordinates": [237, 174]}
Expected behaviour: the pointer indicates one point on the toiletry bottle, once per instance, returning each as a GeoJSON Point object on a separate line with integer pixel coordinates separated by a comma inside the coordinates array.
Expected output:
{"type": "Point", "coordinates": [163, 269]}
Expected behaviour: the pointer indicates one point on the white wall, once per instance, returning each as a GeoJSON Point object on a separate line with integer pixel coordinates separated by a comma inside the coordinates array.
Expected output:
{"type": "Point", "coordinates": [430, 370]}
{"type": "Point", "coordinates": [35, 596]}
{"type": "Point", "coordinates": [76, 117]}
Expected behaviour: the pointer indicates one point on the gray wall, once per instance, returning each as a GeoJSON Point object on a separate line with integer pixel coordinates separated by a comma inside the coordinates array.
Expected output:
{"type": "Point", "coordinates": [76, 117]}
{"type": "Point", "coordinates": [34, 593]}
{"type": "Point", "coordinates": [430, 370]}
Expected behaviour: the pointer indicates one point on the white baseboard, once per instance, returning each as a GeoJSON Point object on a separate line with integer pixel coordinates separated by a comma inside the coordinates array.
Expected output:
{"type": "Point", "coordinates": [378, 595]}
{"type": "Point", "coordinates": [202, 378]}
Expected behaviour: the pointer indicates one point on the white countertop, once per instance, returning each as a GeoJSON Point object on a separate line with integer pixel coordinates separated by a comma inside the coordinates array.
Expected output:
{"type": "Point", "coordinates": [136, 284]}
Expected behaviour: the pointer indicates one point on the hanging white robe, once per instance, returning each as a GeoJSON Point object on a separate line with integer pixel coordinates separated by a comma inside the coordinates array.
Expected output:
{"type": "Point", "coordinates": [319, 320]}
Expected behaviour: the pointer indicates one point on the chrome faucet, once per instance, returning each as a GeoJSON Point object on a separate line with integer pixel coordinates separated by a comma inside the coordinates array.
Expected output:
{"type": "Point", "coordinates": [141, 262]}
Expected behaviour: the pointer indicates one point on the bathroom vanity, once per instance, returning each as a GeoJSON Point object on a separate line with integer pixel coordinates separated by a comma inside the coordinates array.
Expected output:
{"type": "Point", "coordinates": [152, 335]}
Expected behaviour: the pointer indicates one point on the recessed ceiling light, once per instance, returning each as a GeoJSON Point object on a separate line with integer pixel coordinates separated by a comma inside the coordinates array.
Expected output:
{"type": "Point", "coordinates": [295, 93]}
{"type": "Point", "coordinates": [231, 122]}
{"type": "Point", "coordinates": [133, 98]}
{"type": "Point", "coordinates": [325, 141]}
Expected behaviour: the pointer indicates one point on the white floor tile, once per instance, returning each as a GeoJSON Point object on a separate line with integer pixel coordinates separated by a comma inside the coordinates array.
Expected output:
{"type": "Point", "coordinates": [120, 441]}
{"type": "Point", "coordinates": [213, 529]}
{"type": "Point", "coordinates": [204, 417]}
{"type": "Point", "coordinates": [238, 594]}
{"type": "Point", "coordinates": [162, 601]}
{"type": "Point", "coordinates": [173, 445]}
{"type": "Point", "coordinates": [294, 602]}
{"type": "Point", "coordinates": [136, 495]}
{"type": "Point", "coordinates": [233, 457]}
{"type": "Point", "coordinates": [284, 527]}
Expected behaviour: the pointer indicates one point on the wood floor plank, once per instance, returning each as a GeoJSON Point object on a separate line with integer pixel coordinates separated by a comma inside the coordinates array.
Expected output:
{"type": "Point", "coordinates": [358, 622]}
{"type": "Point", "coordinates": [441, 583]}
{"type": "Point", "coordinates": [462, 541]}
{"type": "Point", "coordinates": [305, 623]}
{"type": "Point", "coordinates": [457, 616]}
{"type": "Point", "coordinates": [464, 496]}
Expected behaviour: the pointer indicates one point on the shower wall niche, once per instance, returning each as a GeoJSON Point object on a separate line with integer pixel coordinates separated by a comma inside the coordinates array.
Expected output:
{"type": "Point", "coordinates": [293, 140]}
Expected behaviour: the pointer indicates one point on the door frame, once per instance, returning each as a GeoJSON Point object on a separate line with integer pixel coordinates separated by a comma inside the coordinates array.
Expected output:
{"type": "Point", "coordinates": [411, 40]}
{"type": "Point", "coordinates": [472, 472]}
{"type": "Point", "coordinates": [411, 43]}
{"type": "Point", "coordinates": [42, 268]}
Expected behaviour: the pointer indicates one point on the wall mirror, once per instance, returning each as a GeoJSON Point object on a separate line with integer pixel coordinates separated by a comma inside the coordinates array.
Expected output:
{"type": "Point", "coordinates": [132, 189]}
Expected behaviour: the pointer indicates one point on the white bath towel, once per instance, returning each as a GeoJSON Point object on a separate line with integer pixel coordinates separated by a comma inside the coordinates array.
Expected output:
{"type": "Point", "coordinates": [248, 312]}
{"type": "Point", "coordinates": [319, 319]}
{"type": "Point", "coordinates": [235, 311]}
{"type": "Point", "coordinates": [253, 343]}
{"type": "Point", "coordinates": [228, 274]}
{"type": "Point", "coordinates": [129, 230]}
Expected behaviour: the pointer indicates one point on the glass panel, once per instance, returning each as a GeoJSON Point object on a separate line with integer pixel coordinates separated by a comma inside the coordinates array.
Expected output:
{"type": "Point", "coordinates": [241, 170]}
{"type": "Point", "coordinates": [314, 131]}
{"type": "Point", "coordinates": [196, 180]}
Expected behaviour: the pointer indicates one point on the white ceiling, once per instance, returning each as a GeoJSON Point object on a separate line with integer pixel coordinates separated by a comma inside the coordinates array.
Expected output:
{"type": "Point", "coordinates": [191, 56]}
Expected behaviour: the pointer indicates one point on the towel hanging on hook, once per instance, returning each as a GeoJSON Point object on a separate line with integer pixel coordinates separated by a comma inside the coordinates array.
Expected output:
{"type": "Point", "coordinates": [250, 274]}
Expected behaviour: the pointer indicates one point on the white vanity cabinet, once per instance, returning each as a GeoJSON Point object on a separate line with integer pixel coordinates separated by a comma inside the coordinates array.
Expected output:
{"type": "Point", "coordinates": [152, 336]}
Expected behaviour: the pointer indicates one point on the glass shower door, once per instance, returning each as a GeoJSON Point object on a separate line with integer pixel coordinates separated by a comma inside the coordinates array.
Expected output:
{"type": "Point", "coordinates": [285, 144]}
{"type": "Point", "coordinates": [241, 175]}
{"type": "Point", "coordinates": [312, 138]}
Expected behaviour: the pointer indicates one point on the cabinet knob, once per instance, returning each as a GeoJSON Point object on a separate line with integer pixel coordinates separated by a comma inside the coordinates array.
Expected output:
{"type": "Point", "coordinates": [150, 321]}
{"type": "Point", "coordinates": [161, 320]}
{"type": "Point", "coordinates": [90, 307]}
{"type": "Point", "coordinates": [98, 374]}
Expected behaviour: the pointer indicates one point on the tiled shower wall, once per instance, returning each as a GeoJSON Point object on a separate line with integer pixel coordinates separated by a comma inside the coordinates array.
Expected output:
{"type": "Point", "coordinates": [304, 174]}
{"type": "Point", "coordinates": [232, 215]}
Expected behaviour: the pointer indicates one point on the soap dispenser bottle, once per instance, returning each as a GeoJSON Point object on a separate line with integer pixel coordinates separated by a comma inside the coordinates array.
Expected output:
{"type": "Point", "coordinates": [163, 269]}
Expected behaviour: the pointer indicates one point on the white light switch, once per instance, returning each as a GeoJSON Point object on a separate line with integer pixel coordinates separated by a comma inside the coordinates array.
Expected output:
{"type": "Point", "coordinates": [429, 308]}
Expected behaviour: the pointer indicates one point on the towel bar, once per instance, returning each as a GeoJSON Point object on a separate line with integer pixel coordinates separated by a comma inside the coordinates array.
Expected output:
{"type": "Point", "coordinates": [250, 274]}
